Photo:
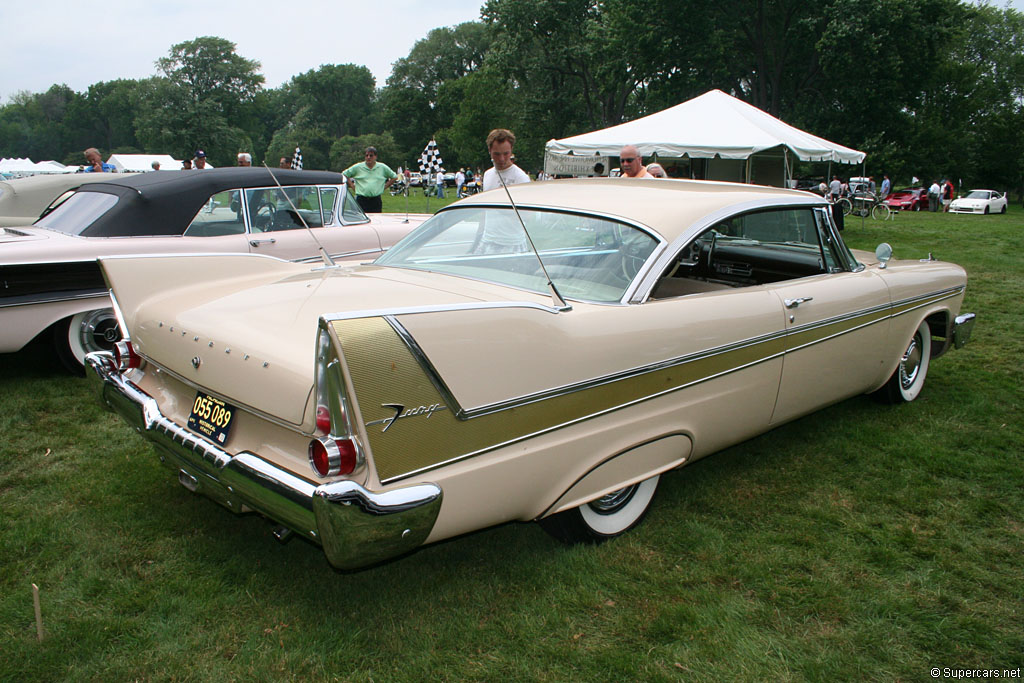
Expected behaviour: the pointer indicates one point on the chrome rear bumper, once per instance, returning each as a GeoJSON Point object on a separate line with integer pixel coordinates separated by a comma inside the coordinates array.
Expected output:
{"type": "Point", "coordinates": [356, 527]}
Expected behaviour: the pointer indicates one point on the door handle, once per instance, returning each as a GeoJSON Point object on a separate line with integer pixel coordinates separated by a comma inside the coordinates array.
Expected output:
{"type": "Point", "coordinates": [257, 243]}
{"type": "Point", "coordinates": [793, 303]}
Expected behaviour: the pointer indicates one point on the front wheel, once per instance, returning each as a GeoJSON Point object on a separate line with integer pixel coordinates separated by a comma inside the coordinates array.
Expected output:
{"type": "Point", "coordinates": [846, 205]}
{"type": "Point", "coordinates": [880, 212]}
{"type": "Point", "coordinates": [84, 333]}
{"type": "Point", "coordinates": [908, 378]}
{"type": "Point", "coordinates": [604, 518]}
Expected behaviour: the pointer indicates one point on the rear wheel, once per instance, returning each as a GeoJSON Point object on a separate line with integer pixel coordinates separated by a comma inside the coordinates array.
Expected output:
{"type": "Point", "coordinates": [604, 518]}
{"type": "Point", "coordinates": [908, 378]}
{"type": "Point", "coordinates": [84, 333]}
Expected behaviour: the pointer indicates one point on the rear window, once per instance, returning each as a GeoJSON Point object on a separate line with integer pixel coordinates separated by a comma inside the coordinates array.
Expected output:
{"type": "Point", "coordinates": [78, 212]}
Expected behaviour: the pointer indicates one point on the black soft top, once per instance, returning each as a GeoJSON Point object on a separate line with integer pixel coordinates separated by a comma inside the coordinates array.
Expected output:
{"type": "Point", "coordinates": [165, 202]}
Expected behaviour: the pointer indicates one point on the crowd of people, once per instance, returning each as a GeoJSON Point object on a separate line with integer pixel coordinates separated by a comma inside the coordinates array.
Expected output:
{"type": "Point", "coordinates": [370, 178]}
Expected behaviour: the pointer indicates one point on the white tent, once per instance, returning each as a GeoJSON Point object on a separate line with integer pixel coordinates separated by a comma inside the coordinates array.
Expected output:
{"type": "Point", "coordinates": [712, 126]}
{"type": "Point", "coordinates": [139, 163]}
{"type": "Point", "coordinates": [20, 168]}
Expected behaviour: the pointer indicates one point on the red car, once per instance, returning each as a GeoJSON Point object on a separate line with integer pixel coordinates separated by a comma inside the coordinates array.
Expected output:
{"type": "Point", "coordinates": [909, 199]}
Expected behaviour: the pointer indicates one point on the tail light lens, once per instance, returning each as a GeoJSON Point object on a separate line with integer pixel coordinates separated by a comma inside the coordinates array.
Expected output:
{"type": "Point", "coordinates": [335, 451]}
{"type": "Point", "coordinates": [125, 356]}
{"type": "Point", "coordinates": [332, 457]}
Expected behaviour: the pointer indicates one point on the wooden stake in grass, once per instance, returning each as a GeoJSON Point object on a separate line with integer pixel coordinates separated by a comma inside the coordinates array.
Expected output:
{"type": "Point", "coordinates": [39, 612]}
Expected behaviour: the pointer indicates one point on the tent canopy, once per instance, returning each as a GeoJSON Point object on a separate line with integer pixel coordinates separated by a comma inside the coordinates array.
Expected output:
{"type": "Point", "coordinates": [128, 163]}
{"type": "Point", "coordinates": [714, 124]}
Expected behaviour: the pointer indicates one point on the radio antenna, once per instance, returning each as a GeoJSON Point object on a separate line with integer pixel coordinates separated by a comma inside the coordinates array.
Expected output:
{"type": "Point", "coordinates": [555, 296]}
{"type": "Point", "coordinates": [328, 261]}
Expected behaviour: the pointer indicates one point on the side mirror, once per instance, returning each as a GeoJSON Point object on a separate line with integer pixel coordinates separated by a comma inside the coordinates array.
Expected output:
{"type": "Point", "coordinates": [883, 252]}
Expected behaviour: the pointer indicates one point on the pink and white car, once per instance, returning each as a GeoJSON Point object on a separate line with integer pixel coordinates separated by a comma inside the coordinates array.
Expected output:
{"type": "Point", "coordinates": [52, 282]}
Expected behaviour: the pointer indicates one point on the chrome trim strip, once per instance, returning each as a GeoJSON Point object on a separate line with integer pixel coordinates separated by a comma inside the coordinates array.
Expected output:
{"type": "Point", "coordinates": [937, 295]}
{"type": "Point", "coordinates": [85, 294]}
{"type": "Point", "coordinates": [464, 414]}
{"type": "Point", "coordinates": [428, 367]}
{"type": "Point", "coordinates": [583, 418]}
{"type": "Point", "coordinates": [339, 255]}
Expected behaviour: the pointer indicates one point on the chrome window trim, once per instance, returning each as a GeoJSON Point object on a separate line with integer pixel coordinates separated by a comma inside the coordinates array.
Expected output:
{"type": "Point", "coordinates": [660, 261]}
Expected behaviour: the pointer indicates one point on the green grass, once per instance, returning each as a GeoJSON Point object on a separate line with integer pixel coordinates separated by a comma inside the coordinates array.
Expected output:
{"type": "Point", "coordinates": [863, 542]}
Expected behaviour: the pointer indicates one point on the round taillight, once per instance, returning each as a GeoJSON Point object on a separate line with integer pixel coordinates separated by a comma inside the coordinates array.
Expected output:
{"type": "Point", "coordinates": [331, 457]}
{"type": "Point", "coordinates": [125, 357]}
{"type": "Point", "coordinates": [323, 420]}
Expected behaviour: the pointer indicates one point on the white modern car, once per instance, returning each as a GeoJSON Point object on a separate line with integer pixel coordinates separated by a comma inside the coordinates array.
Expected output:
{"type": "Point", "coordinates": [980, 201]}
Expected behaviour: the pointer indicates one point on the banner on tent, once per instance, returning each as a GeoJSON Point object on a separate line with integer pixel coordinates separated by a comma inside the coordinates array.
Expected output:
{"type": "Point", "coordinates": [568, 164]}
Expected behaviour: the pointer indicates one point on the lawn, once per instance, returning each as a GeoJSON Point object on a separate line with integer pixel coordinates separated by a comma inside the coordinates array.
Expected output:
{"type": "Point", "coordinates": [863, 542]}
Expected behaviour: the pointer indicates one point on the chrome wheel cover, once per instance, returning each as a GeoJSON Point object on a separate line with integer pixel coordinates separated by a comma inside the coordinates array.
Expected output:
{"type": "Point", "coordinates": [98, 331]}
{"type": "Point", "coordinates": [606, 505]}
{"type": "Point", "coordinates": [910, 363]}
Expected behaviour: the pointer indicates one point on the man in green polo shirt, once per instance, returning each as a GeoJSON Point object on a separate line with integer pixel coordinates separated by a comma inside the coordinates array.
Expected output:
{"type": "Point", "coordinates": [369, 179]}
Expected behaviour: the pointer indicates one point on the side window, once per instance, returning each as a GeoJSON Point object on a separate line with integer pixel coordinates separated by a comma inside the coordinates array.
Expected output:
{"type": "Point", "coordinates": [350, 210]}
{"type": "Point", "coordinates": [275, 209]}
{"type": "Point", "coordinates": [328, 198]}
{"type": "Point", "coordinates": [749, 249]}
{"type": "Point", "coordinates": [221, 215]}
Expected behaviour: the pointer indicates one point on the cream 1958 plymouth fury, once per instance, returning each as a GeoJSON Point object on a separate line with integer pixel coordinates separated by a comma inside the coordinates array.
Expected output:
{"type": "Point", "coordinates": [457, 383]}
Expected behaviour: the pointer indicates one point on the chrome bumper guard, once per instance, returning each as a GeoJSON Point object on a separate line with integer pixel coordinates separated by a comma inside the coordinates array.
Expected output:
{"type": "Point", "coordinates": [962, 327]}
{"type": "Point", "coordinates": [355, 526]}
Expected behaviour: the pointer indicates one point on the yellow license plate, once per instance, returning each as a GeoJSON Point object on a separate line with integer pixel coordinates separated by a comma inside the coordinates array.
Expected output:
{"type": "Point", "coordinates": [211, 417]}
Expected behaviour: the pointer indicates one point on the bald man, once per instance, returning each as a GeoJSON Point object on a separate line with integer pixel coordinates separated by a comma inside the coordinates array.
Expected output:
{"type": "Point", "coordinates": [632, 164]}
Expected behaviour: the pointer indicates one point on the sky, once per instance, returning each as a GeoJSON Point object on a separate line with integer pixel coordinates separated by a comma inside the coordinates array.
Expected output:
{"type": "Point", "coordinates": [80, 43]}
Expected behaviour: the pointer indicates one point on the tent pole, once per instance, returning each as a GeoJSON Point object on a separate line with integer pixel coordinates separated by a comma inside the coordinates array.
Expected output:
{"type": "Point", "coordinates": [785, 167]}
{"type": "Point", "coordinates": [748, 170]}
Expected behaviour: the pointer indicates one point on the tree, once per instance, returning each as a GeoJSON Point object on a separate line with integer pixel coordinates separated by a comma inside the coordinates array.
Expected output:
{"type": "Point", "coordinates": [338, 98]}
{"type": "Point", "coordinates": [206, 91]}
{"type": "Point", "coordinates": [409, 102]}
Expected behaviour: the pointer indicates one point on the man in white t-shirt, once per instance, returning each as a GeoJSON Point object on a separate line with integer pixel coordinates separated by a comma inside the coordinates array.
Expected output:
{"type": "Point", "coordinates": [499, 144]}
{"type": "Point", "coordinates": [501, 232]}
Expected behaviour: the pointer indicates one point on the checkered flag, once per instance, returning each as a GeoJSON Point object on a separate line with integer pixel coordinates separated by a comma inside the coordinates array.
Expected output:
{"type": "Point", "coordinates": [430, 159]}
{"type": "Point", "coordinates": [297, 159]}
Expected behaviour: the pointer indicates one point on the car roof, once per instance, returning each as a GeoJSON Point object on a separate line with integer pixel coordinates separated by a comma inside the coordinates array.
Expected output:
{"type": "Point", "coordinates": [165, 202]}
{"type": "Point", "coordinates": [667, 206]}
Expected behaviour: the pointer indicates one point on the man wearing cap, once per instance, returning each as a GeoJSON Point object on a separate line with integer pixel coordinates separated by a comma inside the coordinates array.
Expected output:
{"type": "Point", "coordinates": [200, 163]}
{"type": "Point", "coordinates": [368, 179]}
